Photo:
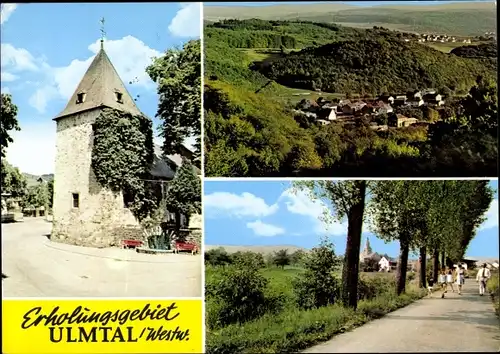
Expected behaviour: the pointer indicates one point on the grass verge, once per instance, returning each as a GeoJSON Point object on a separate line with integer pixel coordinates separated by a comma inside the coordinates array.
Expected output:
{"type": "Point", "coordinates": [494, 289]}
{"type": "Point", "coordinates": [293, 329]}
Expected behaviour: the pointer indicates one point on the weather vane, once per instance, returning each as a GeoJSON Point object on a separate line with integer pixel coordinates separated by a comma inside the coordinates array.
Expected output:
{"type": "Point", "coordinates": [102, 31]}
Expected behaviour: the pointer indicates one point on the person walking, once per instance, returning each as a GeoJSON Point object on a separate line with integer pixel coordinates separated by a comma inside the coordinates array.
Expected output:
{"type": "Point", "coordinates": [449, 280]}
{"type": "Point", "coordinates": [482, 277]}
{"type": "Point", "coordinates": [442, 282]}
{"type": "Point", "coordinates": [460, 276]}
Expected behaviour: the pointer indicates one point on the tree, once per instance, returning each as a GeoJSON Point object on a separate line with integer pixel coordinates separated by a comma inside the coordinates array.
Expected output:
{"type": "Point", "coordinates": [50, 188]}
{"type": "Point", "coordinates": [248, 259]}
{"type": "Point", "coordinates": [13, 181]}
{"type": "Point", "coordinates": [36, 196]}
{"type": "Point", "coordinates": [184, 192]}
{"type": "Point", "coordinates": [281, 258]}
{"type": "Point", "coordinates": [348, 201]}
{"type": "Point", "coordinates": [178, 75]}
{"type": "Point", "coordinates": [8, 120]}
{"type": "Point", "coordinates": [318, 285]}
{"type": "Point", "coordinates": [297, 257]}
{"type": "Point", "coordinates": [397, 209]}
{"type": "Point", "coordinates": [217, 257]}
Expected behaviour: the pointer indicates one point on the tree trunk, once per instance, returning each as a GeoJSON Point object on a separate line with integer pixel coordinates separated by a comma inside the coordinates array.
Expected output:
{"type": "Point", "coordinates": [423, 268]}
{"type": "Point", "coordinates": [350, 271]}
{"type": "Point", "coordinates": [435, 266]}
{"type": "Point", "coordinates": [404, 249]}
{"type": "Point", "coordinates": [443, 260]}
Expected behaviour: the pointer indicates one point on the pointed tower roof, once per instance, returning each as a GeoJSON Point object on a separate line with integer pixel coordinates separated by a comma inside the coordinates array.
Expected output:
{"type": "Point", "coordinates": [100, 87]}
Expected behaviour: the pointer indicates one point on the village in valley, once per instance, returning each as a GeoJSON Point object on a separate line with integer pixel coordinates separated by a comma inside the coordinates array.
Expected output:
{"type": "Point", "coordinates": [381, 112]}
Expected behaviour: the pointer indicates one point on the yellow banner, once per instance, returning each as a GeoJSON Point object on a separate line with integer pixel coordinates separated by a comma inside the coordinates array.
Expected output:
{"type": "Point", "coordinates": [101, 326]}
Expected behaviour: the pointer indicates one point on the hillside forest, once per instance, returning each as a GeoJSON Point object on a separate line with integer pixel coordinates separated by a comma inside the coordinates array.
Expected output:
{"type": "Point", "coordinates": [259, 76]}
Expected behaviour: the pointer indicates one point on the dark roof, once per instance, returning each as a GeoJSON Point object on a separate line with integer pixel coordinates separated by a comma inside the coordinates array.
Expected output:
{"type": "Point", "coordinates": [164, 167]}
{"type": "Point", "coordinates": [99, 84]}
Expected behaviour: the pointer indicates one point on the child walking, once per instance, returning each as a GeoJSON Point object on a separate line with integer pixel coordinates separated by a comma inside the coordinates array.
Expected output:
{"type": "Point", "coordinates": [442, 281]}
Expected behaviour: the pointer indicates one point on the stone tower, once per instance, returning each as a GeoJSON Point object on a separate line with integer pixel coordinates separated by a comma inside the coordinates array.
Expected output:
{"type": "Point", "coordinates": [85, 213]}
{"type": "Point", "coordinates": [367, 250]}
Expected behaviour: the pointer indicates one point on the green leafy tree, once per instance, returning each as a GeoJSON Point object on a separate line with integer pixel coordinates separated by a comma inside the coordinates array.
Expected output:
{"type": "Point", "coordinates": [13, 181]}
{"type": "Point", "coordinates": [281, 258]}
{"type": "Point", "coordinates": [36, 196]}
{"type": "Point", "coordinates": [396, 211]}
{"type": "Point", "coordinates": [217, 257]}
{"type": "Point", "coordinates": [184, 192]}
{"type": "Point", "coordinates": [178, 75]}
{"type": "Point", "coordinates": [318, 286]}
{"type": "Point", "coordinates": [8, 120]}
{"type": "Point", "coordinates": [248, 259]}
{"type": "Point", "coordinates": [348, 201]}
{"type": "Point", "coordinates": [297, 257]}
{"type": "Point", "coordinates": [50, 189]}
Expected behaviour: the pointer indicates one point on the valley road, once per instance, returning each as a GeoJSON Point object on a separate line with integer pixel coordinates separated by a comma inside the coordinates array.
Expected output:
{"type": "Point", "coordinates": [457, 323]}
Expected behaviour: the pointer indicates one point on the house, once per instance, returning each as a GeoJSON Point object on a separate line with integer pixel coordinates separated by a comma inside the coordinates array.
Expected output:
{"type": "Point", "coordinates": [399, 121]}
{"type": "Point", "coordinates": [380, 107]}
{"type": "Point", "coordinates": [344, 102]}
{"type": "Point", "coordinates": [327, 114]}
{"type": "Point", "coordinates": [416, 102]}
{"type": "Point", "coordinates": [400, 100]}
{"type": "Point", "coordinates": [414, 94]}
{"type": "Point", "coordinates": [387, 99]}
{"type": "Point", "coordinates": [353, 108]}
{"type": "Point", "coordinates": [387, 264]}
{"type": "Point", "coordinates": [434, 99]}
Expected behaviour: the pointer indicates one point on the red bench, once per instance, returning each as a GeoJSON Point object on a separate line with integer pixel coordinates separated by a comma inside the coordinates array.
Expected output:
{"type": "Point", "coordinates": [186, 246]}
{"type": "Point", "coordinates": [131, 243]}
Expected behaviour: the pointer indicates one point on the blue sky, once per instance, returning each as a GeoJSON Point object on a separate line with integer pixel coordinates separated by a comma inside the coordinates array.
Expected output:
{"type": "Point", "coordinates": [264, 213]}
{"type": "Point", "coordinates": [354, 3]}
{"type": "Point", "coordinates": [46, 49]}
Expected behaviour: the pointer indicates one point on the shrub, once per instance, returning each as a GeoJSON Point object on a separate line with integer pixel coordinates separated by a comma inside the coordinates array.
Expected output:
{"type": "Point", "coordinates": [238, 294]}
{"type": "Point", "coordinates": [318, 286]}
{"type": "Point", "coordinates": [370, 287]}
{"type": "Point", "coordinates": [217, 257]}
{"type": "Point", "coordinates": [248, 259]}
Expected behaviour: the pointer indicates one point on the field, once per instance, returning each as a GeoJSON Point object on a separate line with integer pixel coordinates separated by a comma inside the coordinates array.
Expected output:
{"type": "Point", "coordinates": [285, 326]}
{"type": "Point", "coordinates": [467, 19]}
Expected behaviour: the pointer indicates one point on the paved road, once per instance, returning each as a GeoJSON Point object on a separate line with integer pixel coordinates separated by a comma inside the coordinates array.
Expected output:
{"type": "Point", "coordinates": [37, 267]}
{"type": "Point", "coordinates": [453, 324]}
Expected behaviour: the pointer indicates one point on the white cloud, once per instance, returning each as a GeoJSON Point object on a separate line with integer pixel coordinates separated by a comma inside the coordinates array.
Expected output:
{"type": "Point", "coordinates": [7, 77]}
{"type": "Point", "coordinates": [6, 11]}
{"type": "Point", "coordinates": [187, 21]}
{"type": "Point", "coordinates": [34, 150]}
{"type": "Point", "coordinates": [17, 59]}
{"type": "Point", "coordinates": [491, 216]}
{"type": "Point", "coordinates": [230, 204]}
{"type": "Point", "coordinates": [300, 203]}
{"type": "Point", "coordinates": [263, 229]}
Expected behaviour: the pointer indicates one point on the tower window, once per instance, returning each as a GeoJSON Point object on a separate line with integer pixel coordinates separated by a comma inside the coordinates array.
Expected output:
{"type": "Point", "coordinates": [128, 199]}
{"type": "Point", "coordinates": [80, 98]}
{"type": "Point", "coordinates": [119, 97]}
{"type": "Point", "coordinates": [76, 200]}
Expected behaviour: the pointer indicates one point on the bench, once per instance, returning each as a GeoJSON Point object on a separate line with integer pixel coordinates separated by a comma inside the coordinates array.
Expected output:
{"type": "Point", "coordinates": [185, 246]}
{"type": "Point", "coordinates": [131, 243]}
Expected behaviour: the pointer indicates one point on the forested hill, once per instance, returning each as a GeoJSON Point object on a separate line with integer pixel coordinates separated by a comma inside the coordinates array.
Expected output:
{"type": "Point", "coordinates": [374, 66]}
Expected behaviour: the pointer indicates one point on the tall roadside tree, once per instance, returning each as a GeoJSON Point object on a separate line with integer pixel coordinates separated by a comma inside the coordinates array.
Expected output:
{"type": "Point", "coordinates": [178, 76]}
{"type": "Point", "coordinates": [398, 213]}
{"type": "Point", "coordinates": [348, 201]}
{"type": "Point", "coordinates": [8, 122]}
